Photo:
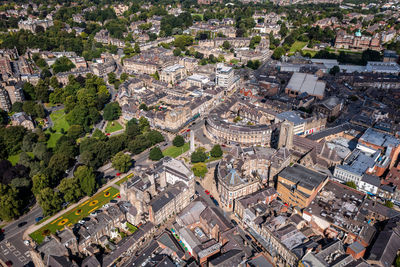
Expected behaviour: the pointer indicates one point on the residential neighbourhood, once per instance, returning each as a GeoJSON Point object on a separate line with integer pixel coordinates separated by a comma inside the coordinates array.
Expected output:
{"type": "Point", "coordinates": [200, 133]}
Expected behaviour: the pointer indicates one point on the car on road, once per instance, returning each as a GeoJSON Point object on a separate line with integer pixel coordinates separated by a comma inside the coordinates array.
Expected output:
{"type": "Point", "coordinates": [207, 192]}
{"type": "Point", "coordinates": [81, 222]}
{"type": "Point", "coordinates": [211, 196]}
{"type": "Point", "coordinates": [105, 206]}
{"type": "Point", "coordinates": [21, 224]}
{"type": "Point", "coordinates": [26, 242]}
{"type": "Point", "coordinates": [216, 202]}
{"type": "Point", "coordinates": [234, 222]}
{"type": "Point", "coordinates": [113, 201]}
{"type": "Point", "coordinates": [197, 182]}
{"type": "Point", "coordinates": [248, 237]}
{"type": "Point", "coordinates": [93, 213]}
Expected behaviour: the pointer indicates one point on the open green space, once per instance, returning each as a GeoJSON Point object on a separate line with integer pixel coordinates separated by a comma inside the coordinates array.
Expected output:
{"type": "Point", "coordinates": [198, 14]}
{"type": "Point", "coordinates": [174, 151]}
{"type": "Point", "coordinates": [73, 216]}
{"type": "Point", "coordinates": [15, 158]}
{"type": "Point", "coordinates": [58, 118]}
{"type": "Point", "coordinates": [312, 52]}
{"type": "Point", "coordinates": [126, 178]}
{"type": "Point", "coordinates": [297, 46]}
{"type": "Point", "coordinates": [131, 227]}
{"type": "Point", "coordinates": [113, 126]}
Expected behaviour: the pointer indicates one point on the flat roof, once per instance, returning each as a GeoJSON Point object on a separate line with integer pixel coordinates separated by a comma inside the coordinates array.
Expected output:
{"type": "Point", "coordinates": [291, 116]}
{"type": "Point", "coordinates": [306, 83]}
{"type": "Point", "coordinates": [303, 176]}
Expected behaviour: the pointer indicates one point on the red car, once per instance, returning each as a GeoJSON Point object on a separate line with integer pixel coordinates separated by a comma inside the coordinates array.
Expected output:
{"type": "Point", "coordinates": [188, 130]}
{"type": "Point", "coordinates": [108, 134]}
{"type": "Point", "coordinates": [207, 192]}
{"type": "Point", "coordinates": [118, 174]}
{"type": "Point", "coordinates": [211, 196]}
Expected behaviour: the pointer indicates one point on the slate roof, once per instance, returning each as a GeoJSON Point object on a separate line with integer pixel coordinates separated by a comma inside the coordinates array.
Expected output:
{"type": "Point", "coordinates": [304, 177]}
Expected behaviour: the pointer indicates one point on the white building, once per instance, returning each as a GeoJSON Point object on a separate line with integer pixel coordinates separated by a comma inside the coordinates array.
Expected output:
{"type": "Point", "coordinates": [369, 184]}
{"type": "Point", "coordinates": [224, 76]}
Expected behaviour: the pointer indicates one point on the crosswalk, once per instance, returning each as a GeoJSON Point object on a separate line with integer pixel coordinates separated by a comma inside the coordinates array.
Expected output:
{"type": "Point", "coordinates": [7, 249]}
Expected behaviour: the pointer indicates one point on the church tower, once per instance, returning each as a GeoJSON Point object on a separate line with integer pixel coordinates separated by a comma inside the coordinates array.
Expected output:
{"type": "Point", "coordinates": [286, 135]}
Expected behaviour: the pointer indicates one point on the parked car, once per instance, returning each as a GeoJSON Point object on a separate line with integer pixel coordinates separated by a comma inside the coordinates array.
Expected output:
{"type": "Point", "coordinates": [234, 222]}
{"type": "Point", "coordinates": [21, 224]}
{"type": "Point", "coordinates": [207, 192]}
{"type": "Point", "coordinates": [38, 219]}
{"type": "Point", "coordinates": [81, 222]}
{"type": "Point", "coordinates": [26, 242]}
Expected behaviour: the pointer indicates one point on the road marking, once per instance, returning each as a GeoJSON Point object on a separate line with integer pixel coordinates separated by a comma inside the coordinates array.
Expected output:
{"type": "Point", "coordinates": [27, 254]}
{"type": "Point", "coordinates": [90, 211]}
{"type": "Point", "coordinates": [11, 248]}
{"type": "Point", "coordinates": [22, 259]}
{"type": "Point", "coordinates": [17, 253]}
{"type": "Point", "coordinates": [6, 253]}
{"type": "Point", "coordinates": [84, 203]}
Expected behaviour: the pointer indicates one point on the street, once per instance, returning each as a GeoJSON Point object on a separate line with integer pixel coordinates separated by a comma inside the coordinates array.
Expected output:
{"type": "Point", "coordinates": [12, 247]}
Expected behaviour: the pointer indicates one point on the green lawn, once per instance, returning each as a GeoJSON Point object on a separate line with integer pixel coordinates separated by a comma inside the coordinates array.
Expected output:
{"type": "Point", "coordinates": [110, 128]}
{"type": "Point", "coordinates": [123, 180]}
{"type": "Point", "coordinates": [312, 52]}
{"type": "Point", "coordinates": [131, 227]}
{"type": "Point", "coordinates": [15, 158]}
{"type": "Point", "coordinates": [174, 151]}
{"type": "Point", "coordinates": [201, 15]}
{"type": "Point", "coordinates": [73, 216]}
{"type": "Point", "coordinates": [297, 46]}
{"type": "Point", "coordinates": [58, 118]}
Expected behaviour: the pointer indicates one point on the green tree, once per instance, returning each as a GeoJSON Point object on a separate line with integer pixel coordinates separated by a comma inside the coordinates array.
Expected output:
{"type": "Point", "coordinates": [112, 77]}
{"type": "Point", "coordinates": [178, 141]}
{"type": "Point", "coordinates": [154, 137]}
{"type": "Point", "coordinates": [75, 131]}
{"type": "Point", "coordinates": [177, 52]}
{"type": "Point", "coordinates": [255, 40]}
{"type": "Point", "coordinates": [351, 184]}
{"type": "Point", "coordinates": [112, 111]}
{"type": "Point", "coordinates": [39, 181]}
{"type": "Point", "coordinates": [226, 45]}
{"type": "Point", "coordinates": [199, 169]}
{"type": "Point", "coordinates": [87, 180]}
{"type": "Point", "coordinates": [29, 91]}
{"type": "Point", "coordinates": [156, 154]}
{"type": "Point", "coordinates": [10, 203]}
{"type": "Point", "coordinates": [198, 156]}
{"type": "Point", "coordinates": [278, 53]}
{"type": "Point", "coordinates": [70, 189]}
{"type": "Point", "coordinates": [137, 48]}
{"type": "Point", "coordinates": [334, 70]}
{"type": "Point", "coordinates": [216, 151]}
{"type": "Point", "coordinates": [124, 76]}
{"type": "Point", "coordinates": [62, 64]}
{"type": "Point", "coordinates": [3, 117]}
{"type": "Point", "coordinates": [143, 123]}
{"type": "Point", "coordinates": [132, 128]}
{"type": "Point", "coordinates": [389, 204]}
{"type": "Point", "coordinates": [121, 162]}
{"type": "Point", "coordinates": [49, 200]}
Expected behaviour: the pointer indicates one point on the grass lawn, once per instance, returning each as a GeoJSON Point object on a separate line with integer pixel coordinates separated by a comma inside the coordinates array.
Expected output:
{"type": "Point", "coordinates": [201, 15]}
{"type": "Point", "coordinates": [297, 46]}
{"type": "Point", "coordinates": [312, 52]}
{"type": "Point", "coordinates": [123, 180]}
{"type": "Point", "coordinates": [73, 216]}
{"type": "Point", "coordinates": [110, 128]}
{"type": "Point", "coordinates": [174, 151]}
{"type": "Point", "coordinates": [15, 158]}
{"type": "Point", "coordinates": [58, 118]}
{"type": "Point", "coordinates": [131, 228]}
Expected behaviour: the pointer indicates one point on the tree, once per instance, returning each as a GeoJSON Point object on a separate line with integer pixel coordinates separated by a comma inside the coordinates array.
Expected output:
{"type": "Point", "coordinates": [226, 45]}
{"type": "Point", "coordinates": [87, 179]}
{"type": "Point", "coordinates": [121, 162]}
{"type": "Point", "coordinates": [132, 128]}
{"type": "Point", "coordinates": [62, 64]}
{"type": "Point", "coordinates": [137, 48]}
{"type": "Point", "coordinates": [199, 169]}
{"type": "Point", "coordinates": [255, 40]}
{"type": "Point", "coordinates": [70, 189]}
{"type": "Point", "coordinates": [29, 91]}
{"type": "Point", "coordinates": [58, 164]}
{"type": "Point", "coordinates": [178, 141]}
{"type": "Point", "coordinates": [154, 137]}
{"type": "Point", "coordinates": [112, 78]}
{"type": "Point", "coordinates": [40, 150]}
{"type": "Point", "coordinates": [156, 154]}
{"type": "Point", "coordinates": [389, 204]}
{"type": "Point", "coordinates": [198, 156]}
{"type": "Point", "coordinates": [40, 181]}
{"type": "Point", "coordinates": [124, 76]}
{"type": "Point", "coordinates": [177, 52]}
{"type": "Point", "coordinates": [143, 123]}
{"type": "Point", "coordinates": [278, 53]}
{"type": "Point", "coordinates": [49, 200]}
{"type": "Point", "coordinates": [139, 144]}
{"type": "Point", "coordinates": [112, 111]}
{"type": "Point", "coordinates": [351, 184]}
{"type": "Point", "coordinates": [17, 107]}
{"type": "Point", "coordinates": [334, 70]}
{"type": "Point", "coordinates": [10, 203]}
{"type": "Point", "coordinates": [3, 117]}
{"type": "Point", "coordinates": [144, 107]}
{"type": "Point", "coordinates": [216, 151]}
{"type": "Point", "coordinates": [75, 131]}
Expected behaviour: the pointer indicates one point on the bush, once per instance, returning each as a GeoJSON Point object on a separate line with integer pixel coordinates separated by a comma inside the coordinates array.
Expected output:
{"type": "Point", "coordinates": [178, 141]}
{"type": "Point", "coordinates": [216, 151]}
{"type": "Point", "coordinates": [198, 156]}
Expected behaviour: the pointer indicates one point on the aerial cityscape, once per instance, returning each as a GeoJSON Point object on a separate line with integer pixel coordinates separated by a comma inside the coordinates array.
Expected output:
{"type": "Point", "coordinates": [212, 133]}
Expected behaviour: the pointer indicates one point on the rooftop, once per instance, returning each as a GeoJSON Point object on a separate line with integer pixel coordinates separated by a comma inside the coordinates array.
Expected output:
{"type": "Point", "coordinates": [306, 83]}
{"type": "Point", "coordinates": [302, 176]}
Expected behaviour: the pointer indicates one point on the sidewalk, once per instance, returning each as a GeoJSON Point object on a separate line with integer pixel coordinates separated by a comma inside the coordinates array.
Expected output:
{"type": "Point", "coordinates": [34, 227]}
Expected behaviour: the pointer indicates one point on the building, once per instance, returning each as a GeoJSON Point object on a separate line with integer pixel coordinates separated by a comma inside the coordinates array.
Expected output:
{"type": "Point", "coordinates": [302, 124]}
{"type": "Point", "coordinates": [265, 195]}
{"type": "Point", "coordinates": [171, 201]}
{"type": "Point", "coordinates": [298, 185]}
{"type": "Point", "coordinates": [172, 74]}
{"type": "Point", "coordinates": [390, 56]}
{"type": "Point", "coordinates": [224, 76]}
{"type": "Point", "coordinates": [330, 107]}
{"type": "Point", "coordinates": [197, 80]}
{"type": "Point", "coordinates": [357, 41]}
{"type": "Point", "coordinates": [305, 83]}
{"type": "Point", "coordinates": [22, 119]}
{"type": "Point", "coordinates": [5, 103]}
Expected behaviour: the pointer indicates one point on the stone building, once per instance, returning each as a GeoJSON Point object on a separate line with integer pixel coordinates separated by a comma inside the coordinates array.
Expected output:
{"type": "Point", "coordinates": [297, 185]}
{"type": "Point", "coordinates": [357, 41]}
